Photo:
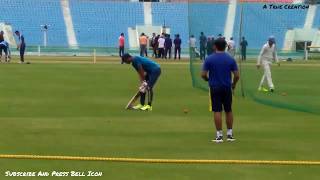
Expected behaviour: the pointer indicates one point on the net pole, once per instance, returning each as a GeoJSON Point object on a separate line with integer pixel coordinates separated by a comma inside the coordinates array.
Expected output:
{"type": "Point", "coordinates": [190, 53]}
{"type": "Point", "coordinates": [305, 51]}
{"type": "Point", "coordinates": [239, 54]}
{"type": "Point", "coordinates": [94, 56]}
{"type": "Point", "coordinates": [39, 50]}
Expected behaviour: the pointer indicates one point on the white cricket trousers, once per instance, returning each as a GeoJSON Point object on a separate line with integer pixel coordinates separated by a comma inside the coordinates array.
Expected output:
{"type": "Point", "coordinates": [266, 75]}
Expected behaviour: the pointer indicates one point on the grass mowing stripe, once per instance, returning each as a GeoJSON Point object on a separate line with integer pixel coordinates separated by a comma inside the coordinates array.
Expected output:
{"type": "Point", "coordinates": [167, 161]}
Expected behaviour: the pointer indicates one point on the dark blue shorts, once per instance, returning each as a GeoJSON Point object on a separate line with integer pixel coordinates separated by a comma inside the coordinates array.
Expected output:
{"type": "Point", "coordinates": [152, 77]}
{"type": "Point", "coordinates": [221, 99]}
{"type": "Point", "coordinates": [5, 49]}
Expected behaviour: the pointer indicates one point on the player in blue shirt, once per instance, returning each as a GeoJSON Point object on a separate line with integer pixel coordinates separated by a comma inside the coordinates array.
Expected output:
{"type": "Point", "coordinates": [218, 69]}
{"type": "Point", "coordinates": [149, 72]}
{"type": "Point", "coordinates": [4, 46]}
{"type": "Point", "coordinates": [21, 46]}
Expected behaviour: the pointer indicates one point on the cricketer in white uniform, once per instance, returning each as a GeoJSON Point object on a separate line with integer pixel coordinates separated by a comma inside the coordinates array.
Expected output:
{"type": "Point", "coordinates": [232, 47]}
{"type": "Point", "coordinates": [267, 55]}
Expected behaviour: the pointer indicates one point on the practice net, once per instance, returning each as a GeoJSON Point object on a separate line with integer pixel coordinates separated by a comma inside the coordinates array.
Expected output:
{"type": "Point", "coordinates": [294, 26]}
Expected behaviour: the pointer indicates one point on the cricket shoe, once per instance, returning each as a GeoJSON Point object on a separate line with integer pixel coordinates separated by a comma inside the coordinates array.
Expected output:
{"type": "Point", "coordinates": [218, 139]}
{"type": "Point", "coordinates": [263, 89]}
{"type": "Point", "coordinates": [146, 108]}
{"type": "Point", "coordinates": [139, 106]}
{"type": "Point", "coordinates": [230, 138]}
{"type": "Point", "coordinates": [272, 90]}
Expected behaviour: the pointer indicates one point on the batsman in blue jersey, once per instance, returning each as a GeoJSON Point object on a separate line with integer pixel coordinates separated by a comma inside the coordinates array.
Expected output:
{"type": "Point", "coordinates": [149, 72]}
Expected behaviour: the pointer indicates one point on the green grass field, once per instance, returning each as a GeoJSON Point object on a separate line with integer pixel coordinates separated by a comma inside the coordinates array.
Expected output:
{"type": "Point", "coordinates": [74, 108]}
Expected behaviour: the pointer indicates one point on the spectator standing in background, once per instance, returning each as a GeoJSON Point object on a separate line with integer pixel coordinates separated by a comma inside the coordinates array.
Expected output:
{"type": "Point", "coordinates": [210, 43]}
{"type": "Point", "coordinates": [168, 46]}
{"type": "Point", "coordinates": [232, 47]}
{"type": "Point", "coordinates": [203, 44]}
{"type": "Point", "coordinates": [192, 43]}
{"type": "Point", "coordinates": [21, 46]}
{"type": "Point", "coordinates": [156, 46]}
{"type": "Point", "coordinates": [243, 45]}
{"type": "Point", "coordinates": [143, 40]}
{"type": "Point", "coordinates": [153, 45]}
{"type": "Point", "coordinates": [121, 45]}
{"type": "Point", "coordinates": [177, 46]}
{"type": "Point", "coordinates": [161, 42]}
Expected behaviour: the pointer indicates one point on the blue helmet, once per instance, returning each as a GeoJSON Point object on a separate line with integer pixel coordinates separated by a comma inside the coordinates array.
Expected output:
{"type": "Point", "coordinates": [272, 39]}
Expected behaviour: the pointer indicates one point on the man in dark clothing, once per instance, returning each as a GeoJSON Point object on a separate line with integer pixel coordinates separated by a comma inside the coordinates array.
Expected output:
{"type": "Point", "coordinates": [177, 46]}
{"type": "Point", "coordinates": [152, 44]}
{"type": "Point", "coordinates": [168, 46]}
{"type": "Point", "coordinates": [203, 44]}
{"type": "Point", "coordinates": [156, 46]}
{"type": "Point", "coordinates": [2, 47]}
{"type": "Point", "coordinates": [21, 46]}
{"type": "Point", "coordinates": [210, 43]}
{"type": "Point", "coordinates": [243, 45]}
{"type": "Point", "coordinates": [218, 69]}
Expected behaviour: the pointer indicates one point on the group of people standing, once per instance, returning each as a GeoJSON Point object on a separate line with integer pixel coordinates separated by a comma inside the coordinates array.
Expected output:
{"type": "Point", "coordinates": [207, 43]}
{"type": "Point", "coordinates": [161, 45]}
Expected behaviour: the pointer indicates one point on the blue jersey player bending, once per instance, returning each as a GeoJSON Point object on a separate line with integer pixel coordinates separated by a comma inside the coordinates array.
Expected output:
{"type": "Point", "coordinates": [149, 72]}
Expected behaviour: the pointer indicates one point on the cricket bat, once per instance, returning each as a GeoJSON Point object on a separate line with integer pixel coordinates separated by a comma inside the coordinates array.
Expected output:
{"type": "Point", "coordinates": [133, 100]}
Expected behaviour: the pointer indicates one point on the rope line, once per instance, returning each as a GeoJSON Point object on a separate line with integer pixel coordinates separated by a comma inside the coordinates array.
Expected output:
{"type": "Point", "coordinates": [167, 161]}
